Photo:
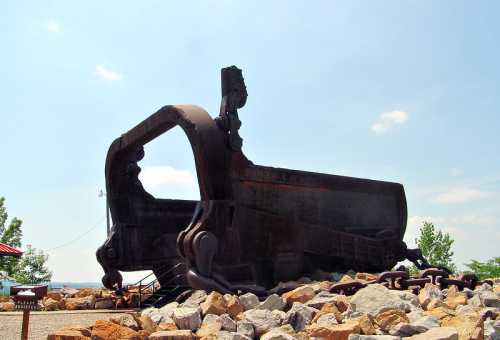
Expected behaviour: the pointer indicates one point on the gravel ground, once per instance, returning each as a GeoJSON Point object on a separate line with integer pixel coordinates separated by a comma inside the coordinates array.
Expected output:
{"type": "Point", "coordinates": [44, 322]}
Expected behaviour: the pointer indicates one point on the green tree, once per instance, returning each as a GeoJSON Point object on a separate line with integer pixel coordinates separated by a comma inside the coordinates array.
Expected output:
{"type": "Point", "coordinates": [436, 246]}
{"type": "Point", "coordinates": [485, 270]}
{"type": "Point", "coordinates": [11, 235]}
{"type": "Point", "coordinates": [31, 268]}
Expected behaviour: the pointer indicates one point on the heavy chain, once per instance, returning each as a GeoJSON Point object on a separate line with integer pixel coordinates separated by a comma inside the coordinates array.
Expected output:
{"type": "Point", "coordinates": [401, 280]}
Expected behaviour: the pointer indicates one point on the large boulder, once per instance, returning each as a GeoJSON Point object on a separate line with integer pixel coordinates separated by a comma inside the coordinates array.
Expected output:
{"type": "Point", "coordinates": [187, 318]}
{"type": "Point", "coordinates": [50, 304]}
{"type": "Point", "coordinates": [300, 315]}
{"type": "Point", "coordinates": [155, 315]}
{"type": "Point", "coordinates": [455, 298]}
{"type": "Point", "coordinates": [262, 320]}
{"type": "Point", "coordinates": [376, 298]}
{"type": "Point", "coordinates": [273, 302]}
{"type": "Point", "coordinates": [8, 306]}
{"type": "Point", "coordinates": [126, 320]}
{"type": "Point", "coordinates": [328, 308]}
{"type": "Point", "coordinates": [234, 306]}
{"type": "Point", "coordinates": [490, 299]}
{"type": "Point", "coordinates": [301, 294]}
{"type": "Point", "coordinates": [146, 323]}
{"type": "Point", "coordinates": [210, 326]}
{"type": "Point", "coordinates": [469, 326]}
{"type": "Point", "coordinates": [104, 303]}
{"type": "Point", "coordinates": [214, 304]}
{"type": "Point", "coordinates": [68, 292]}
{"type": "Point", "coordinates": [107, 330]}
{"type": "Point", "coordinates": [195, 299]}
{"type": "Point", "coordinates": [228, 324]}
{"type": "Point", "coordinates": [492, 330]}
{"type": "Point", "coordinates": [97, 292]}
{"type": "Point", "coordinates": [87, 302]}
{"type": "Point", "coordinates": [428, 293]}
{"type": "Point", "coordinates": [249, 301]}
{"type": "Point", "coordinates": [54, 295]}
{"type": "Point", "coordinates": [390, 318]}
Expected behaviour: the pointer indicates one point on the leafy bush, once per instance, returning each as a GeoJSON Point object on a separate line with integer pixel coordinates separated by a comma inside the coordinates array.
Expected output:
{"type": "Point", "coordinates": [485, 270]}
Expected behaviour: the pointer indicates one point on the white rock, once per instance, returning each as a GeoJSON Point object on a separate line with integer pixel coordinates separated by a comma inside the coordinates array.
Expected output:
{"type": "Point", "coordinates": [375, 298]}
{"type": "Point", "coordinates": [168, 310]}
{"type": "Point", "coordinates": [262, 320]}
{"type": "Point", "coordinates": [212, 318]}
{"type": "Point", "coordinates": [228, 324]}
{"type": "Point", "coordinates": [155, 315]}
{"type": "Point", "coordinates": [195, 299]}
{"type": "Point", "coordinates": [425, 323]}
{"type": "Point", "coordinates": [299, 316]}
{"type": "Point", "coordinates": [489, 299]}
{"type": "Point", "coordinates": [126, 320]}
{"type": "Point", "coordinates": [187, 318]}
{"type": "Point", "coordinates": [406, 296]}
{"type": "Point", "coordinates": [246, 328]}
{"type": "Point", "coordinates": [492, 330]}
{"type": "Point", "coordinates": [438, 333]}
{"type": "Point", "coordinates": [273, 302]}
{"type": "Point", "coordinates": [249, 301]}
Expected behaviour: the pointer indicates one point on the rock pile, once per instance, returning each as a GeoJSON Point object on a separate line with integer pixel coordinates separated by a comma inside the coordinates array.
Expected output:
{"type": "Point", "coordinates": [310, 311]}
{"type": "Point", "coordinates": [77, 299]}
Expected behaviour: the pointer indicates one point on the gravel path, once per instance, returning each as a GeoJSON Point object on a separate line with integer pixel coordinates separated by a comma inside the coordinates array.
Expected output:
{"type": "Point", "coordinates": [44, 322]}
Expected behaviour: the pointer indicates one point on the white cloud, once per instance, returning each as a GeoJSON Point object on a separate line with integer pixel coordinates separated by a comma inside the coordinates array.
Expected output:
{"type": "Point", "coordinates": [459, 195]}
{"type": "Point", "coordinates": [387, 120]}
{"type": "Point", "coordinates": [161, 175]}
{"type": "Point", "coordinates": [106, 74]}
{"type": "Point", "coordinates": [53, 26]}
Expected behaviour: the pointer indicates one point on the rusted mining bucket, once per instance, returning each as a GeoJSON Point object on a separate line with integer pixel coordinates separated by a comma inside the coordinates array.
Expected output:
{"type": "Point", "coordinates": [254, 225]}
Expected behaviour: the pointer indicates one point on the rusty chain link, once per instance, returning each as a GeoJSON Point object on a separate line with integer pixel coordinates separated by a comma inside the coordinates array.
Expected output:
{"type": "Point", "coordinates": [401, 280]}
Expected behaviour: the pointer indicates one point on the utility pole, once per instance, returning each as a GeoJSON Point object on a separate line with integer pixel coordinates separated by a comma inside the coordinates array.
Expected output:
{"type": "Point", "coordinates": [103, 194]}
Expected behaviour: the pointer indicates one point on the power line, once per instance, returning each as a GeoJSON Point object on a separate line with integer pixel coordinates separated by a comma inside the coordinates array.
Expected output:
{"type": "Point", "coordinates": [78, 237]}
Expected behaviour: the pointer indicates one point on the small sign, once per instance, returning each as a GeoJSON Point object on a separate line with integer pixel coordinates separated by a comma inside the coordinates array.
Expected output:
{"type": "Point", "coordinates": [26, 300]}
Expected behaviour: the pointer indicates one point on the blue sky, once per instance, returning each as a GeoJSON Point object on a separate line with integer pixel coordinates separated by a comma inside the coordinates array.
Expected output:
{"type": "Point", "coordinates": [403, 91]}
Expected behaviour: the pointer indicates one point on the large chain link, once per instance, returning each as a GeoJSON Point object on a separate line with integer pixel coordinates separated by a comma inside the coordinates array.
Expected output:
{"type": "Point", "coordinates": [401, 280]}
